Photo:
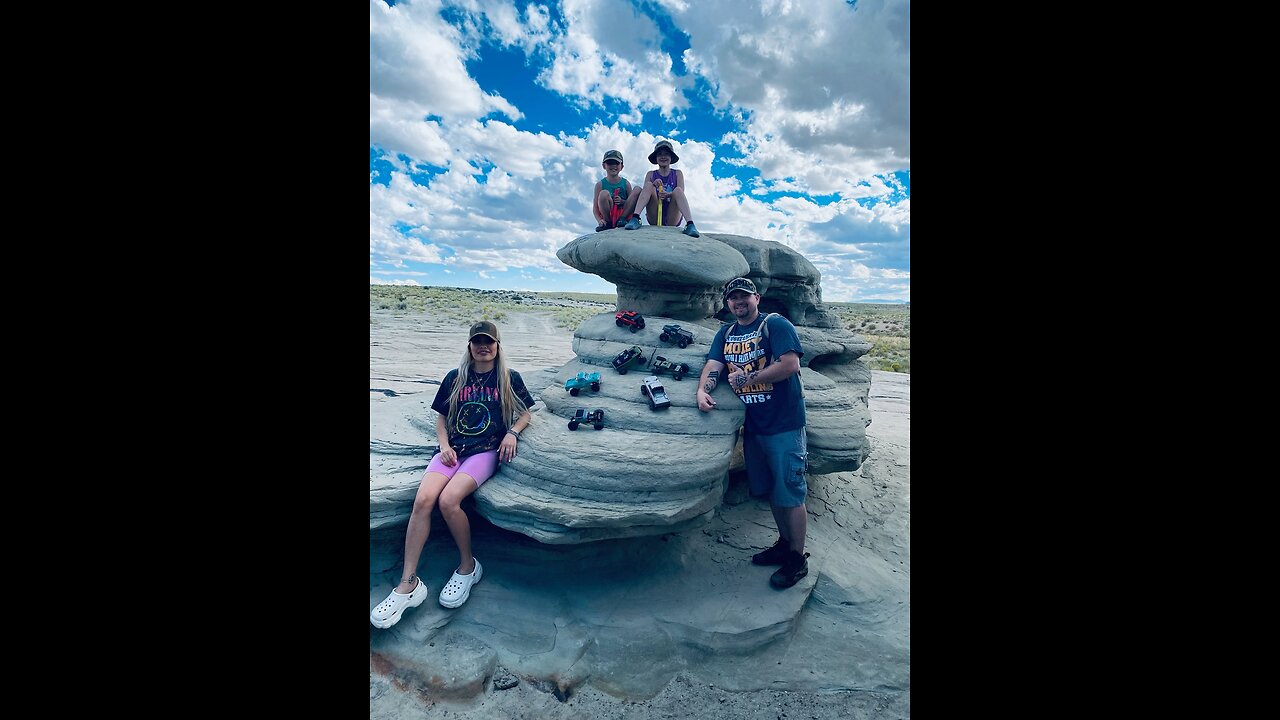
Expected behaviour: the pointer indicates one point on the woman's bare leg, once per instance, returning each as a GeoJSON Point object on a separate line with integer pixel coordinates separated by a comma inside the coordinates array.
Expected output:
{"type": "Point", "coordinates": [420, 527]}
{"type": "Point", "coordinates": [455, 517]}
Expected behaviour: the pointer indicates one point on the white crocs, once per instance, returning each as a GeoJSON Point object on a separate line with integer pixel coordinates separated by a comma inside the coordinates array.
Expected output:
{"type": "Point", "coordinates": [455, 592]}
{"type": "Point", "coordinates": [388, 612]}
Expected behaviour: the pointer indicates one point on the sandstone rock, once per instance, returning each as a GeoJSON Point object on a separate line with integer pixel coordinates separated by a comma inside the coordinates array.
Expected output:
{"type": "Point", "coordinates": [787, 281]}
{"type": "Point", "coordinates": [457, 669]}
{"type": "Point", "coordinates": [401, 442]}
{"type": "Point", "coordinates": [658, 271]}
{"type": "Point", "coordinates": [835, 425]}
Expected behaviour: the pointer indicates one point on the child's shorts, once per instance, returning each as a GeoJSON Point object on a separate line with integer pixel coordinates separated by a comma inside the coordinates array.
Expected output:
{"type": "Point", "coordinates": [480, 466]}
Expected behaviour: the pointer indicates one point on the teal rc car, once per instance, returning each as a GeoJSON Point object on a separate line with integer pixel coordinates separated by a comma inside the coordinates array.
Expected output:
{"type": "Point", "coordinates": [584, 416]}
{"type": "Point", "coordinates": [582, 380]}
{"type": "Point", "coordinates": [629, 358]}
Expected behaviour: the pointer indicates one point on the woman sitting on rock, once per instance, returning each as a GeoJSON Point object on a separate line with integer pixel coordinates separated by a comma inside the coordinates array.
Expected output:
{"type": "Point", "coordinates": [475, 404]}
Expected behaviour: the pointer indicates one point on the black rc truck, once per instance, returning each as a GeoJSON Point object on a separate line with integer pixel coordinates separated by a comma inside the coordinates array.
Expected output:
{"type": "Point", "coordinates": [583, 417]}
{"type": "Point", "coordinates": [677, 335]}
{"type": "Point", "coordinates": [677, 370]}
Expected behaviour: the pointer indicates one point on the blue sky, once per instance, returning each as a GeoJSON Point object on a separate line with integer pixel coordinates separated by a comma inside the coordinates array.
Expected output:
{"type": "Point", "coordinates": [488, 120]}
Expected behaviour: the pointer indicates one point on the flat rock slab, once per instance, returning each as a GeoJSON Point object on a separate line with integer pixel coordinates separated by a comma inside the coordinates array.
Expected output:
{"type": "Point", "coordinates": [658, 270]}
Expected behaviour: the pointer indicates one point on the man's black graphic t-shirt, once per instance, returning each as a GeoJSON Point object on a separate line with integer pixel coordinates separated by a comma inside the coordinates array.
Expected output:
{"type": "Point", "coordinates": [771, 407]}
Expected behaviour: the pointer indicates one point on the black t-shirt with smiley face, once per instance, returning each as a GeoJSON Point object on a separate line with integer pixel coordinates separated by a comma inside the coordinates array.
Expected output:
{"type": "Point", "coordinates": [479, 426]}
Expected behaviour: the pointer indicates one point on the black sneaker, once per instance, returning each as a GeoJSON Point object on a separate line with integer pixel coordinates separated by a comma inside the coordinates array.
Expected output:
{"type": "Point", "coordinates": [794, 568]}
{"type": "Point", "coordinates": [774, 555]}
{"type": "Point", "coordinates": [603, 226]}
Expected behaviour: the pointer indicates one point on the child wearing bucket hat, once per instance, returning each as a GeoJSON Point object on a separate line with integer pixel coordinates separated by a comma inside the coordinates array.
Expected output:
{"type": "Point", "coordinates": [664, 186]}
{"type": "Point", "coordinates": [612, 197]}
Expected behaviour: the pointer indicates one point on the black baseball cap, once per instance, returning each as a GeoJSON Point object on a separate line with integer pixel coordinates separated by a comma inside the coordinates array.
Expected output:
{"type": "Point", "coordinates": [739, 284]}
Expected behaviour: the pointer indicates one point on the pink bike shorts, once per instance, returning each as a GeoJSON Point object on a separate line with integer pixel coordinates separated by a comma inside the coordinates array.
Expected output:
{"type": "Point", "coordinates": [479, 466]}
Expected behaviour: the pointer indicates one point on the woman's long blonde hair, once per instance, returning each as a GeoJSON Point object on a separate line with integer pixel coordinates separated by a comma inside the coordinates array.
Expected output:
{"type": "Point", "coordinates": [512, 405]}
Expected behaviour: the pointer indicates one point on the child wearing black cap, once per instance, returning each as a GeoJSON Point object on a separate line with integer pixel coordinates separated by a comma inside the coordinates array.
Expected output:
{"type": "Point", "coordinates": [613, 199]}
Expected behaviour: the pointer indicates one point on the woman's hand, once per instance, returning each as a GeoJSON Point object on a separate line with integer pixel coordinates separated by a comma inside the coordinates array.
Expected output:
{"type": "Point", "coordinates": [448, 456]}
{"type": "Point", "coordinates": [507, 449]}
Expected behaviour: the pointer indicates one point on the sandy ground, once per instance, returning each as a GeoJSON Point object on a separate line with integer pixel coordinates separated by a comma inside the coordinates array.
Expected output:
{"type": "Point", "coordinates": [408, 354]}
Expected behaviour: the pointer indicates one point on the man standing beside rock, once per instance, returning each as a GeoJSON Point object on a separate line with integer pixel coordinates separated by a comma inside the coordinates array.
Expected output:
{"type": "Point", "coordinates": [764, 371]}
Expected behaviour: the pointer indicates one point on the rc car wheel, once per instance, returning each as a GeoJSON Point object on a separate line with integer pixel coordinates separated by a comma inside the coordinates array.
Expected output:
{"type": "Point", "coordinates": [644, 391]}
{"type": "Point", "coordinates": [665, 337]}
{"type": "Point", "coordinates": [573, 392]}
{"type": "Point", "coordinates": [676, 375]}
{"type": "Point", "coordinates": [599, 426]}
{"type": "Point", "coordinates": [683, 343]}
{"type": "Point", "coordinates": [619, 322]}
{"type": "Point", "coordinates": [573, 425]}
{"type": "Point", "coordinates": [595, 386]}
{"type": "Point", "coordinates": [634, 328]}
{"type": "Point", "coordinates": [622, 371]}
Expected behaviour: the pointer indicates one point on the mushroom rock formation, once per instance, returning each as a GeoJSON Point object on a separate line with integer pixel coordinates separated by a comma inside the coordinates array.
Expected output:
{"type": "Point", "coordinates": [651, 472]}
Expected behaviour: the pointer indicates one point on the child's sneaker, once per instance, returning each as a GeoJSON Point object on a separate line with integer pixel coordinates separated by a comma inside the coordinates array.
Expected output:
{"type": "Point", "coordinates": [690, 230]}
{"type": "Point", "coordinates": [603, 226]}
{"type": "Point", "coordinates": [633, 223]}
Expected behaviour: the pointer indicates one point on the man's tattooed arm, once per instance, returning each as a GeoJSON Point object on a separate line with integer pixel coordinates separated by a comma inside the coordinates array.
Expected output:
{"type": "Point", "coordinates": [710, 384]}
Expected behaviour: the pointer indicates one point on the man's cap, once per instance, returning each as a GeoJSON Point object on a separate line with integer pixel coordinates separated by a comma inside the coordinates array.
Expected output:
{"type": "Point", "coordinates": [613, 155]}
{"type": "Point", "coordinates": [484, 327]}
{"type": "Point", "coordinates": [740, 284]}
{"type": "Point", "coordinates": [664, 145]}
